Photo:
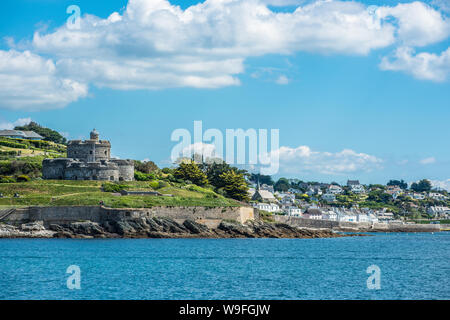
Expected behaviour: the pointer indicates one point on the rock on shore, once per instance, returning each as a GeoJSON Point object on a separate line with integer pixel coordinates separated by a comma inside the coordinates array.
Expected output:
{"type": "Point", "coordinates": [161, 228]}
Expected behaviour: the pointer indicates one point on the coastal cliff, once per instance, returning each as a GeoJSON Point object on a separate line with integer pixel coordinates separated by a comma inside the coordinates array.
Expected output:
{"type": "Point", "coordinates": [161, 228]}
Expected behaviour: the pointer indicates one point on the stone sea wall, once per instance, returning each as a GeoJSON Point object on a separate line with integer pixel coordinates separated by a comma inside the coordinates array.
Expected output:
{"type": "Point", "coordinates": [210, 217]}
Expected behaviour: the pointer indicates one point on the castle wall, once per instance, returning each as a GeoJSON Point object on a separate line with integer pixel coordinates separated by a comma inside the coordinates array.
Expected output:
{"type": "Point", "coordinates": [92, 171]}
{"type": "Point", "coordinates": [126, 169]}
{"type": "Point", "coordinates": [54, 168]}
{"type": "Point", "coordinates": [89, 150]}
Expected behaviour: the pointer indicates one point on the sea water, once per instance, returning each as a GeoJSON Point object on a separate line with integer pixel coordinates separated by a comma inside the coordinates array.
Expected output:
{"type": "Point", "coordinates": [409, 266]}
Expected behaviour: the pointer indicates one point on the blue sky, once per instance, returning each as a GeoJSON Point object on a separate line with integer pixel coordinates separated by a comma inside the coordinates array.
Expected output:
{"type": "Point", "coordinates": [321, 92]}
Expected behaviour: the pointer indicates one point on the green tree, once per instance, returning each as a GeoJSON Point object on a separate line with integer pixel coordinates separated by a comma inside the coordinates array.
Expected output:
{"type": "Point", "coordinates": [423, 185]}
{"type": "Point", "coordinates": [399, 183]}
{"type": "Point", "coordinates": [189, 170]}
{"type": "Point", "coordinates": [145, 166]}
{"type": "Point", "coordinates": [379, 196]}
{"type": "Point", "coordinates": [214, 170]}
{"type": "Point", "coordinates": [282, 185]}
{"type": "Point", "coordinates": [235, 185]}
{"type": "Point", "coordinates": [262, 179]}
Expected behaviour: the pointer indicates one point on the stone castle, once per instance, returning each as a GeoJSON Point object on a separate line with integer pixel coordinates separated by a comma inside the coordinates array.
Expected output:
{"type": "Point", "coordinates": [88, 160]}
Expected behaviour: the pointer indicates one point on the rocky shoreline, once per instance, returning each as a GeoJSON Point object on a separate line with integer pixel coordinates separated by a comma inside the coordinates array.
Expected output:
{"type": "Point", "coordinates": [162, 228]}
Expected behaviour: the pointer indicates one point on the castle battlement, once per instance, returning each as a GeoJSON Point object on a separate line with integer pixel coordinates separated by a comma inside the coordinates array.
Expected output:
{"type": "Point", "coordinates": [81, 142]}
{"type": "Point", "coordinates": [88, 160]}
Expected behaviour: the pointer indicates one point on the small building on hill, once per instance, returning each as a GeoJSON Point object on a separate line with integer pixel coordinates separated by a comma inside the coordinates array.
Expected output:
{"type": "Point", "coordinates": [18, 134]}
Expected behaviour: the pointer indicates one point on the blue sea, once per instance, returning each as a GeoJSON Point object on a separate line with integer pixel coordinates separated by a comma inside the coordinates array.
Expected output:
{"type": "Point", "coordinates": [411, 266]}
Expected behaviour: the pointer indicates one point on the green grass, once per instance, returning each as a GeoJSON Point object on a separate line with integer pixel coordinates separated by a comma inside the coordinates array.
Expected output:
{"type": "Point", "coordinates": [80, 193]}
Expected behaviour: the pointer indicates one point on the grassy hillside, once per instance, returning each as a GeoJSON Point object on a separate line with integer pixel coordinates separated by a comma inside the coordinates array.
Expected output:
{"type": "Point", "coordinates": [16, 148]}
{"type": "Point", "coordinates": [21, 159]}
{"type": "Point", "coordinates": [64, 193]}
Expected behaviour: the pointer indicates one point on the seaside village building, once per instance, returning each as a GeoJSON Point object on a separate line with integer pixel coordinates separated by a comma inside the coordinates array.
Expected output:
{"type": "Point", "coordinates": [88, 160]}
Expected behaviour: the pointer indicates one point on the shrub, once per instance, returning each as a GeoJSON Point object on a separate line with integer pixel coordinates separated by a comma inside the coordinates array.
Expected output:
{"type": "Point", "coordinates": [163, 184]}
{"type": "Point", "coordinates": [139, 176]}
{"type": "Point", "coordinates": [154, 184]}
{"type": "Point", "coordinates": [145, 166]}
{"type": "Point", "coordinates": [8, 153]}
{"type": "Point", "coordinates": [167, 170]}
{"type": "Point", "coordinates": [31, 166]}
{"type": "Point", "coordinates": [7, 179]}
{"type": "Point", "coordinates": [113, 187]}
{"type": "Point", "coordinates": [12, 144]}
{"type": "Point", "coordinates": [23, 178]}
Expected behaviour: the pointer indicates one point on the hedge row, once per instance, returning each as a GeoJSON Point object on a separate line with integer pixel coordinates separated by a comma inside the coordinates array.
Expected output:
{"type": "Point", "coordinates": [12, 144]}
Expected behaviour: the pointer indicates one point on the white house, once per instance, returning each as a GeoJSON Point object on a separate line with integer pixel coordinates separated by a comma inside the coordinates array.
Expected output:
{"type": "Point", "coordinates": [357, 188]}
{"type": "Point", "coordinates": [292, 211]}
{"type": "Point", "coordinates": [361, 217]}
{"type": "Point", "coordinates": [334, 189]}
{"type": "Point", "coordinates": [438, 211]}
{"type": "Point", "coordinates": [287, 198]}
{"type": "Point", "coordinates": [386, 217]}
{"type": "Point", "coordinates": [437, 196]}
{"type": "Point", "coordinates": [372, 218]}
{"type": "Point", "coordinates": [330, 215]}
{"type": "Point", "coordinates": [346, 215]}
{"type": "Point", "coordinates": [315, 214]}
{"type": "Point", "coordinates": [269, 207]}
{"type": "Point", "coordinates": [416, 195]}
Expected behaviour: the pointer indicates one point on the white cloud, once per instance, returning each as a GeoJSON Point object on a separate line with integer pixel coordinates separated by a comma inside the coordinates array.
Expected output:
{"type": "Point", "coordinates": [425, 66]}
{"type": "Point", "coordinates": [156, 45]}
{"type": "Point", "coordinates": [30, 82]}
{"type": "Point", "coordinates": [303, 159]}
{"type": "Point", "coordinates": [429, 160]}
{"type": "Point", "coordinates": [12, 125]}
{"type": "Point", "coordinates": [418, 23]}
{"type": "Point", "coordinates": [282, 80]}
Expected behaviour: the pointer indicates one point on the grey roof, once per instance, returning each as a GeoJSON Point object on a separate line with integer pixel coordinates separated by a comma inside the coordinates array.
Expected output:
{"type": "Point", "coordinates": [264, 194]}
{"type": "Point", "coordinates": [23, 134]}
{"type": "Point", "coordinates": [11, 133]}
{"type": "Point", "coordinates": [32, 134]}
{"type": "Point", "coordinates": [314, 211]}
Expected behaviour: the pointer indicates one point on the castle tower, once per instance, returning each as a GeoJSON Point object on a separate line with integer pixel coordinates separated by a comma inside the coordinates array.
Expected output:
{"type": "Point", "coordinates": [92, 150]}
{"type": "Point", "coordinates": [94, 135]}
